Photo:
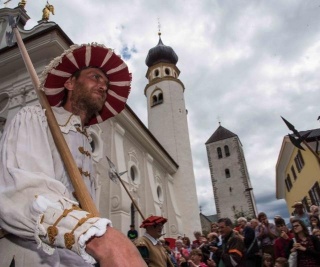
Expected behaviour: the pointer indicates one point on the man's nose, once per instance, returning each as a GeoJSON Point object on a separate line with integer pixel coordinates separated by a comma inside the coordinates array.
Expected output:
{"type": "Point", "coordinates": [102, 85]}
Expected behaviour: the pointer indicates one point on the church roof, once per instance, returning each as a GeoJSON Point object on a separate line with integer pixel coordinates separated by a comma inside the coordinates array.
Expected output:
{"type": "Point", "coordinates": [220, 134]}
{"type": "Point", "coordinates": [161, 53]}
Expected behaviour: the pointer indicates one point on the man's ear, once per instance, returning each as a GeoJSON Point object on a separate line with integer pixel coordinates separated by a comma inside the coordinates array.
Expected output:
{"type": "Point", "coordinates": [69, 84]}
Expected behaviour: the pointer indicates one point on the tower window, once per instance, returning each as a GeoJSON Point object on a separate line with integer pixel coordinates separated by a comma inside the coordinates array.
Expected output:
{"type": "Point", "coordinates": [157, 97]}
{"type": "Point", "coordinates": [219, 153]}
{"type": "Point", "coordinates": [167, 71]}
{"type": "Point", "coordinates": [156, 73]}
{"type": "Point", "coordinates": [226, 151]}
{"type": "Point", "coordinates": [227, 172]}
{"type": "Point", "coordinates": [154, 100]}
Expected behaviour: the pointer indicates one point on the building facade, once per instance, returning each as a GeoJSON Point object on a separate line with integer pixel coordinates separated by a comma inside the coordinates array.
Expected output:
{"type": "Point", "coordinates": [298, 172]}
{"type": "Point", "coordinates": [154, 172]}
{"type": "Point", "coordinates": [233, 193]}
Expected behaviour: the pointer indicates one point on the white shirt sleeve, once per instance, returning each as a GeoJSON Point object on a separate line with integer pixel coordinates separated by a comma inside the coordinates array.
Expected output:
{"type": "Point", "coordinates": [33, 193]}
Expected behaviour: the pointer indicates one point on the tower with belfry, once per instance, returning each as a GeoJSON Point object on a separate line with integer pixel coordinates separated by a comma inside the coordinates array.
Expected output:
{"type": "Point", "coordinates": [233, 192]}
{"type": "Point", "coordinates": [167, 121]}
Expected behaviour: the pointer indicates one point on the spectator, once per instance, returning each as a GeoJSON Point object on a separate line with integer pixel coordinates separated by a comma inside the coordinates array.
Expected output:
{"type": "Point", "coordinates": [180, 251]}
{"type": "Point", "coordinates": [281, 244]}
{"type": "Point", "coordinates": [214, 227]}
{"type": "Point", "coordinates": [281, 262]}
{"type": "Point", "coordinates": [254, 223]}
{"type": "Point", "coordinates": [232, 252]}
{"type": "Point", "coordinates": [314, 210]}
{"type": "Point", "coordinates": [132, 233]}
{"type": "Point", "coordinates": [315, 222]}
{"type": "Point", "coordinates": [186, 243]}
{"type": "Point", "coordinates": [196, 259]}
{"type": "Point", "coordinates": [213, 244]}
{"type": "Point", "coordinates": [266, 233]}
{"type": "Point", "coordinates": [316, 233]}
{"type": "Point", "coordinates": [307, 247]}
{"type": "Point", "coordinates": [250, 242]}
{"type": "Point", "coordinates": [196, 243]}
{"type": "Point", "coordinates": [267, 260]}
{"type": "Point", "coordinates": [301, 214]}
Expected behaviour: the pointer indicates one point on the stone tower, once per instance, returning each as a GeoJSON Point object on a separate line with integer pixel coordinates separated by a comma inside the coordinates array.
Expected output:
{"type": "Point", "coordinates": [233, 193]}
{"type": "Point", "coordinates": [167, 121]}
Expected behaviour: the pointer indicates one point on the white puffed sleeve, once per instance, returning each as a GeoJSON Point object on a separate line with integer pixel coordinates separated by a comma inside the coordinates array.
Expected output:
{"type": "Point", "coordinates": [33, 191]}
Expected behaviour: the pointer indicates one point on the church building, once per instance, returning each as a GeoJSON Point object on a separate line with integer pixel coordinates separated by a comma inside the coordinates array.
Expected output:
{"type": "Point", "coordinates": [157, 158]}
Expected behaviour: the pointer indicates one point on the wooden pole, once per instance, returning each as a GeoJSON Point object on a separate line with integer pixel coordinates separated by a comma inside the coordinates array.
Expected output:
{"type": "Point", "coordinates": [133, 202]}
{"type": "Point", "coordinates": [80, 188]}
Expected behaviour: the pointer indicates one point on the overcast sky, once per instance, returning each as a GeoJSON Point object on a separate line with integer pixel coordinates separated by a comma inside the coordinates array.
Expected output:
{"type": "Point", "coordinates": [247, 62]}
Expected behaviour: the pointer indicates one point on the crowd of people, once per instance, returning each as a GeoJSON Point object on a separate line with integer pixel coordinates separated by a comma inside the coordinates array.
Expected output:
{"type": "Point", "coordinates": [252, 243]}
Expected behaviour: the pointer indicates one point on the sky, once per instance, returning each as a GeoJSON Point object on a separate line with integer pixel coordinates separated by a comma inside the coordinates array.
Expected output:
{"type": "Point", "coordinates": [244, 63]}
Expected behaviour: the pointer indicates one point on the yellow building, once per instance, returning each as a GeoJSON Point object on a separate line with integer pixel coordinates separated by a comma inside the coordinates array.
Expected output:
{"type": "Point", "coordinates": [298, 172]}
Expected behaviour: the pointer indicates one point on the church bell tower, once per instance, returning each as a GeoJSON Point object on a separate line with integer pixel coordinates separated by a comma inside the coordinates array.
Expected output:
{"type": "Point", "coordinates": [167, 121]}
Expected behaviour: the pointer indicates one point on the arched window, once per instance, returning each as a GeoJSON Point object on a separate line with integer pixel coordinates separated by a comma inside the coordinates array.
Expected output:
{"type": "Point", "coordinates": [154, 100]}
{"type": "Point", "coordinates": [227, 172]}
{"type": "Point", "coordinates": [156, 73]}
{"type": "Point", "coordinates": [219, 153]}
{"type": "Point", "coordinates": [156, 97]}
{"type": "Point", "coordinates": [167, 71]}
{"type": "Point", "coordinates": [226, 151]}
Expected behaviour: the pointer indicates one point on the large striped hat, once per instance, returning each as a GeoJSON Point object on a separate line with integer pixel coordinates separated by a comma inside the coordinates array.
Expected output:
{"type": "Point", "coordinates": [88, 55]}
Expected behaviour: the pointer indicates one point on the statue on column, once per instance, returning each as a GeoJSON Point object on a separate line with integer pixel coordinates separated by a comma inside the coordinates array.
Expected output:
{"type": "Point", "coordinates": [22, 3]}
{"type": "Point", "coordinates": [46, 11]}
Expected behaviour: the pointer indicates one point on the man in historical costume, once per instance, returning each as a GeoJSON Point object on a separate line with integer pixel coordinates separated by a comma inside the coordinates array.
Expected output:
{"type": "Point", "coordinates": [149, 245]}
{"type": "Point", "coordinates": [46, 227]}
{"type": "Point", "coordinates": [232, 252]}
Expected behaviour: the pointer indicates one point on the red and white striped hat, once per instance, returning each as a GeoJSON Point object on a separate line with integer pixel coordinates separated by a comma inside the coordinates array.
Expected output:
{"type": "Point", "coordinates": [88, 55]}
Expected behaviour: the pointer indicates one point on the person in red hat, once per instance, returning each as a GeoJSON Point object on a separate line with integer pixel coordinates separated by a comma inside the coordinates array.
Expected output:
{"type": "Point", "coordinates": [149, 245]}
{"type": "Point", "coordinates": [87, 84]}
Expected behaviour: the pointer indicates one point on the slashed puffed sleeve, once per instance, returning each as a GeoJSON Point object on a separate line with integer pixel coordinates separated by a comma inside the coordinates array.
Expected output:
{"type": "Point", "coordinates": [35, 204]}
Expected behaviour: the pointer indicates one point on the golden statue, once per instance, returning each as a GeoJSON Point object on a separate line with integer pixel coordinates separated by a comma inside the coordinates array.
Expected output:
{"type": "Point", "coordinates": [22, 3]}
{"type": "Point", "coordinates": [46, 11]}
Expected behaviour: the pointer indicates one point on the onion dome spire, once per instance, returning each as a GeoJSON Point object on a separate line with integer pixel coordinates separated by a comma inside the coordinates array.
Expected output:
{"type": "Point", "coordinates": [161, 53]}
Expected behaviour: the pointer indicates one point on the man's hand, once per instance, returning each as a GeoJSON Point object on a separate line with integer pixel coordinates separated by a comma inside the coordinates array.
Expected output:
{"type": "Point", "coordinates": [114, 249]}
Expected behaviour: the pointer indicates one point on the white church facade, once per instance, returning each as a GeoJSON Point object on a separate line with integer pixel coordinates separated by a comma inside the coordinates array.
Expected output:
{"type": "Point", "coordinates": [157, 159]}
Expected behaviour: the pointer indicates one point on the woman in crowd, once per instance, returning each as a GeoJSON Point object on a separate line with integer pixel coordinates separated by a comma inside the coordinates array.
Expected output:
{"type": "Point", "coordinates": [195, 260]}
{"type": "Point", "coordinates": [180, 252]}
{"type": "Point", "coordinates": [306, 245]}
{"type": "Point", "coordinates": [186, 243]}
{"type": "Point", "coordinates": [314, 210]}
{"type": "Point", "coordinates": [281, 262]}
{"type": "Point", "coordinates": [315, 222]}
{"type": "Point", "coordinates": [281, 244]}
{"type": "Point", "coordinates": [267, 260]}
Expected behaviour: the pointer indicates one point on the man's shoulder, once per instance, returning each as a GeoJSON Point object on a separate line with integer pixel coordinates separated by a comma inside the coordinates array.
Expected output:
{"type": "Point", "coordinates": [141, 241]}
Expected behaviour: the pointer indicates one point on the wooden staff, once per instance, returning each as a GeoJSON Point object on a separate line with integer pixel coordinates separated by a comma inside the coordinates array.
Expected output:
{"type": "Point", "coordinates": [81, 191]}
{"type": "Point", "coordinates": [114, 175]}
